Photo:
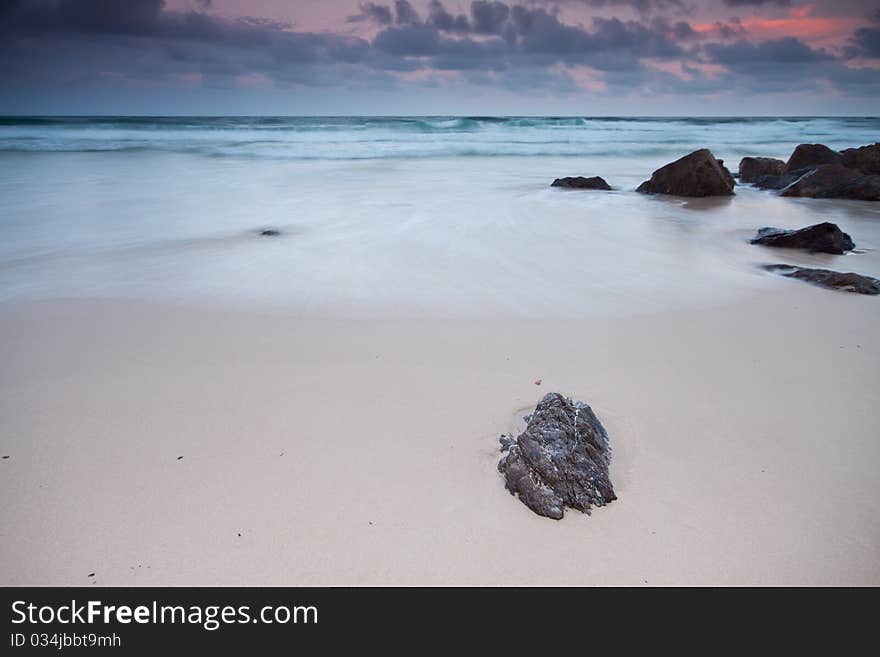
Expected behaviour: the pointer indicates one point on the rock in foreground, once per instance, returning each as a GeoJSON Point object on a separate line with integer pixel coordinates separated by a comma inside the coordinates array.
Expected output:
{"type": "Point", "coordinates": [753, 168]}
{"type": "Point", "coordinates": [560, 460]}
{"type": "Point", "coordinates": [834, 280]}
{"type": "Point", "coordinates": [823, 238]}
{"type": "Point", "coordinates": [697, 174]}
{"type": "Point", "coordinates": [579, 182]}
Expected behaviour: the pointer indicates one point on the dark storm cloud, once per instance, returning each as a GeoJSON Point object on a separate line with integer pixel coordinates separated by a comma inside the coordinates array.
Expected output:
{"type": "Point", "coordinates": [530, 36]}
{"type": "Point", "coordinates": [489, 17]}
{"type": "Point", "coordinates": [746, 55]}
{"type": "Point", "coordinates": [865, 43]}
{"type": "Point", "coordinates": [87, 16]}
{"type": "Point", "coordinates": [787, 65]}
{"type": "Point", "coordinates": [405, 14]}
{"type": "Point", "coordinates": [640, 6]}
{"type": "Point", "coordinates": [444, 21]}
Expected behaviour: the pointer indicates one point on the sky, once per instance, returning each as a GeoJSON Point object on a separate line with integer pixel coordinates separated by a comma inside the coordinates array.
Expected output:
{"type": "Point", "coordinates": [440, 57]}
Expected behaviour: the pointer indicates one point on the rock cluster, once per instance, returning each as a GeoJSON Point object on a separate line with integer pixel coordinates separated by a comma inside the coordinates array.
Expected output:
{"type": "Point", "coordinates": [816, 171]}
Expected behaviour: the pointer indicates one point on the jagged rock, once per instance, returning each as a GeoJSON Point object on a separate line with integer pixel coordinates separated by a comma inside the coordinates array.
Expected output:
{"type": "Point", "coordinates": [847, 282]}
{"type": "Point", "coordinates": [865, 158]}
{"type": "Point", "coordinates": [811, 155]}
{"type": "Point", "coordinates": [560, 460]}
{"type": "Point", "coordinates": [752, 168]}
{"type": "Point", "coordinates": [824, 238]}
{"type": "Point", "coordinates": [696, 174]}
{"type": "Point", "coordinates": [579, 182]}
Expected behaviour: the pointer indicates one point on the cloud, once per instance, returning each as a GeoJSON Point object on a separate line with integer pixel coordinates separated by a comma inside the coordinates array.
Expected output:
{"type": "Point", "coordinates": [756, 3]}
{"type": "Point", "coordinates": [778, 52]}
{"type": "Point", "coordinates": [370, 11]}
{"type": "Point", "coordinates": [865, 42]}
{"type": "Point", "coordinates": [639, 6]}
{"type": "Point", "coordinates": [444, 21]}
{"type": "Point", "coordinates": [88, 42]}
{"type": "Point", "coordinates": [405, 14]}
{"type": "Point", "coordinates": [489, 17]}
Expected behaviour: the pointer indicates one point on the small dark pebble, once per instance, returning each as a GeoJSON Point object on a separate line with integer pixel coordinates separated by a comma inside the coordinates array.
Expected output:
{"type": "Point", "coordinates": [270, 232]}
{"type": "Point", "coordinates": [239, 533]}
{"type": "Point", "coordinates": [6, 457]}
{"type": "Point", "coordinates": [179, 457]}
{"type": "Point", "coordinates": [91, 574]}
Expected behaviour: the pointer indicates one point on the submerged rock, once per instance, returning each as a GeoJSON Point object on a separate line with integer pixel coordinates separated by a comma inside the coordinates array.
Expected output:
{"type": "Point", "coordinates": [579, 182]}
{"type": "Point", "coordinates": [811, 155]}
{"type": "Point", "coordinates": [824, 238]}
{"type": "Point", "coordinates": [834, 280]}
{"type": "Point", "coordinates": [696, 174]}
{"type": "Point", "coordinates": [752, 168]}
{"type": "Point", "coordinates": [560, 460]}
{"type": "Point", "coordinates": [270, 232]}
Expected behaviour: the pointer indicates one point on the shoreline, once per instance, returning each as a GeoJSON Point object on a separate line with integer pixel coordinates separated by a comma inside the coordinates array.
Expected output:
{"type": "Point", "coordinates": [352, 452]}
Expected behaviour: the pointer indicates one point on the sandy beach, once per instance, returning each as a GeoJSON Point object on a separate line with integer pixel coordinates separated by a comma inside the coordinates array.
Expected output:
{"type": "Point", "coordinates": [163, 444]}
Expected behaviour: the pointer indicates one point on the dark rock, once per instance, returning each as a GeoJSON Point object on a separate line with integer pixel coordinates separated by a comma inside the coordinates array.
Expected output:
{"type": "Point", "coordinates": [751, 168]}
{"type": "Point", "coordinates": [811, 155]}
{"type": "Point", "coordinates": [847, 282]}
{"type": "Point", "coordinates": [697, 174]}
{"type": "Point", "coordinates": [865, 158]}
{"type": "Point", "coordinates": [824, 238]}
{"type": "Point", "coordinates": [825, 181]}
{"type": "Point", "coordinates": [270, 232]}
{"type": "Point", "coordinates": [579, 182]}
{"type": "Point", "coordinates": [779, 182]}
{"type": "Point", "coordinates": [560, 460]}
{"type": "Point", "coordinates": [864, 188]}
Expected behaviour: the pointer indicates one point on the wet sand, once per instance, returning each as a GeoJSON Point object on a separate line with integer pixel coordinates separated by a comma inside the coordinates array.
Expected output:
{"type": "Point", "coordinates": [348, 452]}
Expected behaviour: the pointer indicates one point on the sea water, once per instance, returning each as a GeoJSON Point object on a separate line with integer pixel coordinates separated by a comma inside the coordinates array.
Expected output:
{"type": "Point", "coordinates": [401, 216]}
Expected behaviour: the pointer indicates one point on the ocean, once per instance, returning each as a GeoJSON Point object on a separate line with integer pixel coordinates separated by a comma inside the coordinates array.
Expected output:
{"type": "Point", "coordinates": [352, 138]}
{"type": "Point", "coordinates": [399, 216]}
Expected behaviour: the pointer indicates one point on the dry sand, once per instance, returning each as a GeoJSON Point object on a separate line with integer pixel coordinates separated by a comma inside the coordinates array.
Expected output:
{"type": "Point", "coordinates": [333, 452]}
